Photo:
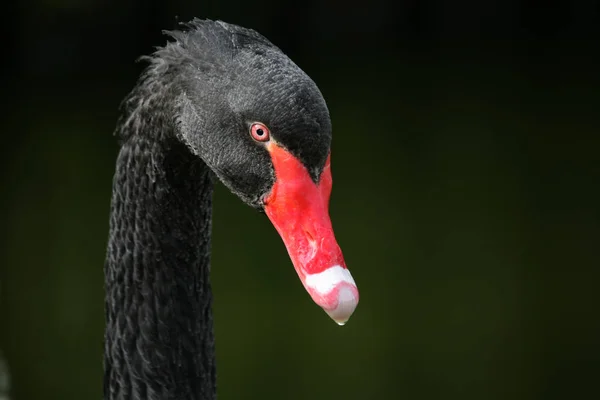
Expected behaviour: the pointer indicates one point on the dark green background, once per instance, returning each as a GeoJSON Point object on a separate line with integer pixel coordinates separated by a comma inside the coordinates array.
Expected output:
{"type": "Point", "coordinates": [465, 166]}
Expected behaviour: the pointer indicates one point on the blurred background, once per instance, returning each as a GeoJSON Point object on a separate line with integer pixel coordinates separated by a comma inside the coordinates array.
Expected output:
{"type": "Point", "coordinates": [466, 169]}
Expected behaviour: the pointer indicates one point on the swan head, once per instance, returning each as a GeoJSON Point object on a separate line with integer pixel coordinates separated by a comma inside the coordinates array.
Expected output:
{"type": "Point", "coordinates": [262, 126]}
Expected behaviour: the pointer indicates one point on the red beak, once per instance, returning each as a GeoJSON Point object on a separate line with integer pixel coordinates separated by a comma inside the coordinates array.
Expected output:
{"type": "Point", "coordinates": [299, 210]}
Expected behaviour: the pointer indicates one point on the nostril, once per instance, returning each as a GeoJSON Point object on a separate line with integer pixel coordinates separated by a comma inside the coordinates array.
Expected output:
{"type": "Point", "coordinates": [309, 235]}
{"type": "Point", "coordinates": [312, 244]}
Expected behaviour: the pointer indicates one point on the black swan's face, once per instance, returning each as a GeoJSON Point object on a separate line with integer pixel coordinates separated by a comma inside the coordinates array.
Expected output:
{"type": "Point", "coordinates": [261, 124]}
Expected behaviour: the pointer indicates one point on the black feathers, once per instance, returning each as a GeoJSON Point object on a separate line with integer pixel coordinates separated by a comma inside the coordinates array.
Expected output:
{"type": "Point", "coordinates": [159, 341]}
{"type": "Point", "coordinates": [232, 76]}
{"type": "Point", "coordinates": [186, 120]}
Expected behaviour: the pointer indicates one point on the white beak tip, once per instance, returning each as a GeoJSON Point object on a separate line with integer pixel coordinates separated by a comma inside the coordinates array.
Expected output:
{"type": "Point", "coordinates": [346, 304]}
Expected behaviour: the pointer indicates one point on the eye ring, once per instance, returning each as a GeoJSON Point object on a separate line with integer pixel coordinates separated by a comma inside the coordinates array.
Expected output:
{"type": "Point", "coordinates": [260, 132]}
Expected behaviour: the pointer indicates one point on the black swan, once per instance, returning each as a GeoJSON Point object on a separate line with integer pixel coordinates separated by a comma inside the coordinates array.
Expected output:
{"type": "Point", "coordinates": [219, 101]}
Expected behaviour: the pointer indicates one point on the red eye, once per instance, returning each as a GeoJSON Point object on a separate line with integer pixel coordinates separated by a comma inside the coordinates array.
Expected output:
{"type": "Point", "coordinates": [259, 132]}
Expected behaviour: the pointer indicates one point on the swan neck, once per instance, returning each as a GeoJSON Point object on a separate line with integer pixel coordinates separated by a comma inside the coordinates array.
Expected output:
{"type": "Point", "coordinates": [159, 341]}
